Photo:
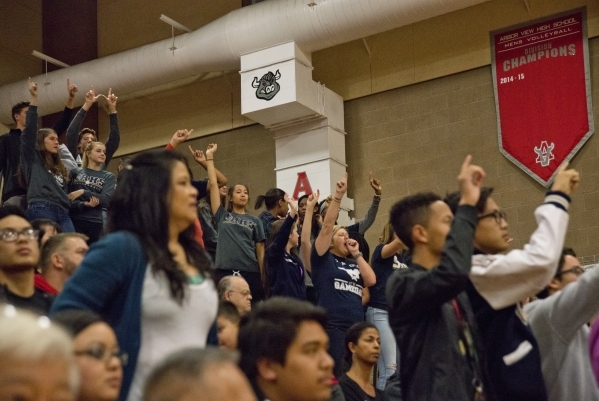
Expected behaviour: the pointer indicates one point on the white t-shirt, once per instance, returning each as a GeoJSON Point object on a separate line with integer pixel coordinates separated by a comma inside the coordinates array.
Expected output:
{"type": "Point", "coordinates": [167, 327]}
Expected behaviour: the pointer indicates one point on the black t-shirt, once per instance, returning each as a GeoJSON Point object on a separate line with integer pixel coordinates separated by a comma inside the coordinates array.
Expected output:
{"type": "Point", "coordinates": [353, 392]}
{"type": "Point", "coordinates": [40, 302]}
{"type": "Point", "coordinates": [339, 286]}
{"type": "Point", "coordinates": [382, 269]}
{"type": "Point", "coordinates": [202, 187]}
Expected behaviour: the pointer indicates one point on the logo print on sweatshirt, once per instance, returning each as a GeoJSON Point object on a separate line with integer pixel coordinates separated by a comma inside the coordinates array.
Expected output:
{"type": "Point", "coordinates": [267, 87]}
{"type": "Point", "coordinates": [353, 273]}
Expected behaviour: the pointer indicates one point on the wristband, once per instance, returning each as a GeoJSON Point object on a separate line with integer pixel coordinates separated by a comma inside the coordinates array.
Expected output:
{"type": "Point", "coordinates": [376, 196]}
{"type": "Point", "coordinates": [357, 255]}
{"type": "Point", "coordinates": [336, 199]}
{"type": "Point", "coordinates": [210, 159]}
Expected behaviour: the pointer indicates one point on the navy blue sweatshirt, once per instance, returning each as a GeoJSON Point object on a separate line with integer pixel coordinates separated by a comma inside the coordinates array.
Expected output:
{"type": "Point", "coordinates": [285, 271]}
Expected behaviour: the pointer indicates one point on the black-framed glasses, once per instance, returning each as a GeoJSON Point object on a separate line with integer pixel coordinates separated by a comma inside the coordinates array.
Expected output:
{"type": "Point", "coordinates": [578, 270]}
{"type": "Point", "coordinates": [102, 354]}
{"type": "Point", "coordinates": [497, 215]}
{"type": "Point", "coordinates": [244, 293]}
{"type": "Point", "coordinates": [11, 235]}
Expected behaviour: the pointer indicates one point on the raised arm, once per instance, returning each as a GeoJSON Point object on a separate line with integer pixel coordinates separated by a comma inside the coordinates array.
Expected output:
{"type": "Point", "coordinates": [178, 138]}
{"type": "Point", "coordinates": [395, 246]}
{"type": "Point", "coordinates": [63, 122]}
{"type": "Point", "coordinates": [277, 248]}
{"type": "Point", "coordinates": [307, 229]}
{"type": "Point", "coordinates": [370, 216]}
{"type": "Point", "coordinates": [504, 280]}
{"type": "Point", "coordinates": [75, 126]}
{"type": "Point", "coordinates": [323, 241]}
{"type": "Point", "coordinates": [201, 160]}
{"type": "Point", "coordinates": [212, 182]}
{"type": "Point", "coordinates": [412, 293]}
{"type": "Point", "coordinates": [114, 137]}
{"type": "Point", "coordinates": [29, 134]}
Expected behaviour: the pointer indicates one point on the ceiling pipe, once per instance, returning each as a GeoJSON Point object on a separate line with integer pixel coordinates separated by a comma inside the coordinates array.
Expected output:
{"type": "Point", "coordinates": [217, 46]}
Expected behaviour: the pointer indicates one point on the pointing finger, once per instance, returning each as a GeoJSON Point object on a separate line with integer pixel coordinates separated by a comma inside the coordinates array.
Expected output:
{"type": "Point", "coordinates": [563, 167]}
{"type": "Point", "coordinates": [466, 162]}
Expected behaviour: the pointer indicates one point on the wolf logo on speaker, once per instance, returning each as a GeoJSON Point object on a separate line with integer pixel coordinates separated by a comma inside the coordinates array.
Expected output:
{"type": "Point", "coordinates": [267, 87]}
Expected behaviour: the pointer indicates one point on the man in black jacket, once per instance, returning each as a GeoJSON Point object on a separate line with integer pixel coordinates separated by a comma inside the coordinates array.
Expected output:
{"type": "Point", "coordinates": [429, 311]}
{"type": "Point", "coordinates": [10, 148]}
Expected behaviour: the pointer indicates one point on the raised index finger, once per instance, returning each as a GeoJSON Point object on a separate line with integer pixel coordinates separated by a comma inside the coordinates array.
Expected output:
{"type": "Point", "coordinates": [563, 166]}
{"type": "Point", "coordinates": [466, 162]}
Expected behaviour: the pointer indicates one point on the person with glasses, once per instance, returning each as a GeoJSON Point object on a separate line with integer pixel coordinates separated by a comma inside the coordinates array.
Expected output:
{"type": "Point", "coordinates": [237, 291]}
{"type": "Point", "coordinates": [499, 283]}
{"type": "Point", "coordinates": [559, 320]}
{"type": "Point", "coordinates": [19, 256]}
{"type": "Point", "coordinates": [97, 355]}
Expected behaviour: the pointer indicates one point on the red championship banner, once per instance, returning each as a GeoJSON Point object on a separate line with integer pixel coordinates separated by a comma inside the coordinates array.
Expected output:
{"type": "Point", "coordinates": [543, 92]}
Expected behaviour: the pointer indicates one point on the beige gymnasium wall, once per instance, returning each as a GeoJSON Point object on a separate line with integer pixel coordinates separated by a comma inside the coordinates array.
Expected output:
{"type": "Point", "coordinates": [414, 108]}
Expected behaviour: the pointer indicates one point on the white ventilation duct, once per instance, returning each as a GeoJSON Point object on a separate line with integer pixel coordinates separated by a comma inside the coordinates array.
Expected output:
{"type": "Point", "coordinates": [312, 24]}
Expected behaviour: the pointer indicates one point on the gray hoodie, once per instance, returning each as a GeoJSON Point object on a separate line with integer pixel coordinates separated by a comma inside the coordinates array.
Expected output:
{"type": "Point", "coordinates": [42, 185]}
{"type": "Point", "coordinates": [559, 323]}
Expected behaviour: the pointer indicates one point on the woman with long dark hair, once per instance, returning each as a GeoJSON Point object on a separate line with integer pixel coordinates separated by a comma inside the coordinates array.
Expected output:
{"type": "Point", "coordinates": [285, 269]}
{"type": "Point", "coordinates": [240, 249]}
{"type": "Point", "coordinates": [276, 208]}
{"type": "Point", "coordinates": [43, 172]}
{"type": "Point", "coordinates": [148, 277]}
{"type": "Point", "coordinates": [362, 350]}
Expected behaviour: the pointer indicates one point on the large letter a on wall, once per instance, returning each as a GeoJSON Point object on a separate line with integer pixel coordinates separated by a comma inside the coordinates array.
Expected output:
{"type": "Point", "coordinates": [302, 185]}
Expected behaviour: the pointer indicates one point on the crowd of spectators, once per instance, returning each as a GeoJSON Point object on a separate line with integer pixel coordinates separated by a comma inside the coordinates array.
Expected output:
{"type": "Point", "coordinates": [123, 289]}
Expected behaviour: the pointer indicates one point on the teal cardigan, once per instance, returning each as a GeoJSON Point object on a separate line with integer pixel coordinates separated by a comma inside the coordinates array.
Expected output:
{"type": "Point", "coordinates": [109, 282]}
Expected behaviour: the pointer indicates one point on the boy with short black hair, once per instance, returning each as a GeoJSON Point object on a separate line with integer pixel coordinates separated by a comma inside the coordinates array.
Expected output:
{"type": "Point", "coordinates": [283, 348]}
{"type": "Point", "coordinates": [429, 311]}
{"type": "Point", "coordinates": [227, 324]}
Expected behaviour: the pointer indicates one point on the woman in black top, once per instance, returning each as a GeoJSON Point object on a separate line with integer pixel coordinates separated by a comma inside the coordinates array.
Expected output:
{"type": "Point", "coordinates": [285, 269]}
{"type": "Point", "coordinates": [362, 351]}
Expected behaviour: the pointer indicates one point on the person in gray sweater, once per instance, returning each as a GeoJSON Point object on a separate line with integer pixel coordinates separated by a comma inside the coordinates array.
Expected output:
{"type": "Point", "coordinates": [94, 187]}
{"type": "Point", "coordinates": [43, 172]}
{"type": "Point", "coordinates": [559, 322]}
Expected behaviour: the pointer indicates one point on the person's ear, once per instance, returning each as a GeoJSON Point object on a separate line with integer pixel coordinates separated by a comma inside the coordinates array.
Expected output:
{"type": "Point", "coordinates": [419, 234]}
{"type": "Point", "coordinates": [57, 261]}
{"type": "Point", "coordinates": [267, 369]}
{"type": "Point", "coordinates": [554, 285]}
{"type": "Point", "coordinates": [352, 347]}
